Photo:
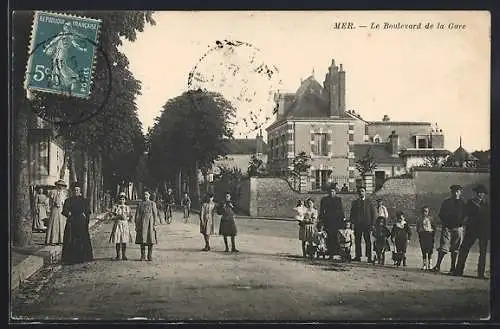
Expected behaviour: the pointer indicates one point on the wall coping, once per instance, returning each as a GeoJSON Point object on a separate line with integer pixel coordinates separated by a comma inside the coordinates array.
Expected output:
{"type": "Point", "coordinates": [453, 169]}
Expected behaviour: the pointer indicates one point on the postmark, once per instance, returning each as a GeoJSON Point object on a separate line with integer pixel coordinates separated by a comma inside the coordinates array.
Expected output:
{"type": "Point", "coordinates": [62, 54]}
{"type": "Point", "coordinates": [241, 73]}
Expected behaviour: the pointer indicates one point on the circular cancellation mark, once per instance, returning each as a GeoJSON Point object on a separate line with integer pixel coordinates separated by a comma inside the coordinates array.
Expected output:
{"type": "Point", "coordinates": [238, 71]}
{"type": "Point", "coordinates": [51, 108]}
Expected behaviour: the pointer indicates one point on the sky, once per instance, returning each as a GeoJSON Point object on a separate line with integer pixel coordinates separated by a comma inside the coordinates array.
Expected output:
{"type": "Point", "coordinates": [434, 75]}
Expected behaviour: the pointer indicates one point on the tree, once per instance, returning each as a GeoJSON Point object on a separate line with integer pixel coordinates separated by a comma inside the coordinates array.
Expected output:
{"type": "Point", "coordinates": [103, 135]}
{"type": "Point", "coordinates": [256, 166]}
{"type": "Point", "coordinates": [191, 132]}
{"type": "Point", "coordinates": [484, 158]}
{"type": "Point", "coordinates": [367, 164]}
{"type": "Point", "coordinates": [434, 159]}
{"type": "Point", "coordinates": [300, 164]}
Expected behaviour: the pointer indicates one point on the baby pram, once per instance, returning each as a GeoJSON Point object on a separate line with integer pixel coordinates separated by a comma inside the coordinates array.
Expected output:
{"type": "Point", "coordinates": [316, 247]}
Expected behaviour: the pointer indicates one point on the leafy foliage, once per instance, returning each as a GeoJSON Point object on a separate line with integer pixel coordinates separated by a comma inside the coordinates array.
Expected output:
{"type": "Point", "coordinates": [191, 132]}
{"type": "Point", "coordinates": [256, 167]}
{"type": "Point", "coordinates": [366, 164]}
{"type": "Point", "coordinates": [300, 164]}
{"type": "Point", "coordinates": [484, 158]}
{"type": "Point", "coordinates": [434, 160]}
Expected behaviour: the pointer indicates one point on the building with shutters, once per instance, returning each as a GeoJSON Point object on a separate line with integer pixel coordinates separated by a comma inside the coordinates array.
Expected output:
{"type": "Point", "coordinates": [315, 120]}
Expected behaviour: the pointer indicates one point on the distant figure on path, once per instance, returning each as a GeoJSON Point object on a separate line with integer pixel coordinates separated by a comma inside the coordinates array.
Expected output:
{"type": "Point", "coordinates": [107, 201]}
{"type": "Point", "coordinates": [169, 205]}
{"type": "Point", "coordinates": [401, 235]}
{"type": "Point", "coordinates": [426, 230]}
{"type": "Point", "coordinates": [227, 225]}
{"type": "Point", "coordinates": [363, 216]}
{"type": "Point", "coordinates": [207, 215]}
{"type": "Point", "coordinates": [344, 188]}
{"type": "Point", "coordinates": [42, 208]}
{"type": "Point", "coordinates": [477, 227]}
{"type": "Point", "coordinates": [77, 247]}
{"type": "Point", "coordinates": [57, 221]}
{"type": "Point", "coordinates": [452, 215]}
{"type": "Point", "coordinates": [331, 216]}
{"type": "Point", "coordinates": [146, 219]}
{"type": "Point", "coordinates": [186, 206]}
{"type": "Point", "coordinates": [120, 233]}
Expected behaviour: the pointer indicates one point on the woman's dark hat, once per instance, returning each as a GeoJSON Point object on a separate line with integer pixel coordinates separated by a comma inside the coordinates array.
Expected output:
{"type": "Point", "coordinates": [480, 188]}
{"type": "Point", "coordinates": [60, 182]}
{"type": "Point", "coordinates": [456, 187]}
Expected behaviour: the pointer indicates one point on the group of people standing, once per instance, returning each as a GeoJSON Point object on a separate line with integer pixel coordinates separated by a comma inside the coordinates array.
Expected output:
{"type": "Point", "coordinates": [67, 221]}
{"type": "Point", "coordinates": [462, 223]}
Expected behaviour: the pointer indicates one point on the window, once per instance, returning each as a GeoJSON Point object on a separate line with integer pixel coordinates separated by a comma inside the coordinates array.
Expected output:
{"type": "Point", "coordinates": [422, 143]}
{"type": "Point", "coordinates": [320, 178]}
{"type": "Point", "coordinates": [320, 144]}
{"type": "Point", "coordinates": [351, 126]}
{"type": "Point", "coordinates": [351, 137]}
{"type": "Point", "coordinates": [351, 173]}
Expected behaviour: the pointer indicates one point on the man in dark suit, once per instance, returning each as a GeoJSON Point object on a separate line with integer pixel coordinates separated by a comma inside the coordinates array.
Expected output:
{"type": "Point", "coordinates": [331, 216]}
{"type": "Point", "coordinates": [363, 216]}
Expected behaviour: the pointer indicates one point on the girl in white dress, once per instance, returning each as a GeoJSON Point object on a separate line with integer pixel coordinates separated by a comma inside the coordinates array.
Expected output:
{"type": "Point", "coordinates": [308, 225]}
{"type": "Point", "coordinates": [120, 234]}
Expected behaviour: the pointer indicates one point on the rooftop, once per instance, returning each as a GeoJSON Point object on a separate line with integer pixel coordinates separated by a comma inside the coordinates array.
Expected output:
{"type": "Point", "coordinates": [244, 146]}
{"type": "Point", "coordinates": [380, 153]}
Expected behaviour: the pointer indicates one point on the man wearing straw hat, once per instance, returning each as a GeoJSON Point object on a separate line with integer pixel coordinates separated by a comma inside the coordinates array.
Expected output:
{"type": "Point", "coordinates": [57, 221]}
{"type": "Point", "coordinates": [477, 227]}
{"type": "Point", "coordinates": [452, 215]}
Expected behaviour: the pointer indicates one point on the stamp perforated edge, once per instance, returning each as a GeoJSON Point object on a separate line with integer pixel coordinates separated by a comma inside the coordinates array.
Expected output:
{"type": "Point", "coordinates": [31, 48]}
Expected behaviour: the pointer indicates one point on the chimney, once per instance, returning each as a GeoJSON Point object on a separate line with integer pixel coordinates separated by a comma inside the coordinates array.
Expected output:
{"type": "Point", "coordinates": [259, 147]}
{"type": "Point", "coordinates": [333, 90]}
{"type": "Point", "coordinates": [341, 91]}
{"type": "Point", "coordinates": [394, 143]}
{"type": "Point", "coordinates": [386, 118]}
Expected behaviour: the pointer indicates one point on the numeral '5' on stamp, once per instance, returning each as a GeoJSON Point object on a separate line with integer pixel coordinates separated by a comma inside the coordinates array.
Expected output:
{"type": "Point", "coordinates": [62, 53]}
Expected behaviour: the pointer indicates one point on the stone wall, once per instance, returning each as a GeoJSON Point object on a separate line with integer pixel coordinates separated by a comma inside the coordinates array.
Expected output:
{"type": "Point", "coordinates": [433, 186]}
{"type": "Point", "coordinates": [273, 197]}
{"type": "Point", "coordinates": [398, 194]}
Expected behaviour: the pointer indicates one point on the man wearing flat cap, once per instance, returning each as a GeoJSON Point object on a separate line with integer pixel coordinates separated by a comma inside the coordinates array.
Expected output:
{"type": "Point", "coordinates": [477, 227]}
{"type": "Point", "coordinates": [331, 216]}
{"type": "Point", "coordinates": [452, 215]}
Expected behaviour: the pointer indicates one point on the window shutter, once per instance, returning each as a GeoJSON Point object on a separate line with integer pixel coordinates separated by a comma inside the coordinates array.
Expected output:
{"type": "Point", "coordinates": [314, 144]}
{"type": "Point", "coordinates": [328, 146]}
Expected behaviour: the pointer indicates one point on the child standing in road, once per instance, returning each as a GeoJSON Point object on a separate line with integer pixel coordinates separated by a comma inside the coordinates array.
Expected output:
{"type": "Point", "coordinates": [401, 235]}
{"type": "Point", "coordinates": [186, 205]}
{"type": "Point", "coordinates": [120, 234]}
{"type": "Point", "coordinates": [426, 230]}
{"type": "Point", "coordinates": [381, 243]}
{"type": "Point", "coordinates": [345, 237]}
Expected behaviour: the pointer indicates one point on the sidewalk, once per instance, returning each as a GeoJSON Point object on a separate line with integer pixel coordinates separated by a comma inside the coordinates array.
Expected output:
{"type": "Point", "coordinates": [27, 261]}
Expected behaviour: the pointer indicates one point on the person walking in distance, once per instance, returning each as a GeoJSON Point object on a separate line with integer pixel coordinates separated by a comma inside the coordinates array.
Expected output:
{"type": "Point", "coordinates": [452, 215]}
{"type": "Point", "coordinates": [207, 214]}
{"type": "Point", "coordinates": [169, 205]}
{"type": "Point", "coordinates": [146, 219]}
{"type": "Point", "coordinates": [120, 233]}
{"type": "Point", "coordinates": [477, 227]}
{"type": "Point", "coordinates": [186, 206]}
{"type": "Point", "coordinates": [331, 217]}
{"type": "Point", "coordinates": [227, 227]}
{"type": "Point", "coordinates": [363, 216]}
{"type": "Point", "coordinates": [426, 230]}
{"type": "Point", "coordinates": [57, 221]}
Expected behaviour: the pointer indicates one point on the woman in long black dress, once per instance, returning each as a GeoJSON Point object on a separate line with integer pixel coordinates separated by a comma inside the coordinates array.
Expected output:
{"type": "Point", "coordinates": [77, 247]}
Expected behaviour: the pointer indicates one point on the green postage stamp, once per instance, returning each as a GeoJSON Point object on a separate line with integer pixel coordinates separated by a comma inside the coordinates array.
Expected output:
{"type": "Point", "coordinates": [62, 54]}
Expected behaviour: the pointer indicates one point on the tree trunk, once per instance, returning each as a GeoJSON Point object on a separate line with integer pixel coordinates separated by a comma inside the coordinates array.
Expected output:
{"type": "Point", "coordinates": [21, 221]}
{"type": "Point", "coordinates": [90, 182]}
{"type": "Point", "coordinates": [85, 169]}
{"type": "Point", "coordinates": [196, 190]}
{"type": "Point", "coordinates": [64, 164]}
{"type": "Point", "coordinates": [95, 184]}
{"type": "Point", "coordinates": [72, 167]}
{"type": "Point", "coordinates": [100, 190]}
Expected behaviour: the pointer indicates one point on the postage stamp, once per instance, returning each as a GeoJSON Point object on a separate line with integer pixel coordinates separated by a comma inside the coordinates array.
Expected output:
{"type": "Point", "coordinates": [62, 54]}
